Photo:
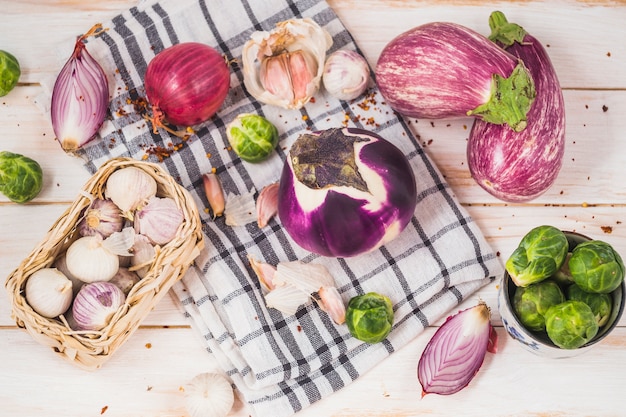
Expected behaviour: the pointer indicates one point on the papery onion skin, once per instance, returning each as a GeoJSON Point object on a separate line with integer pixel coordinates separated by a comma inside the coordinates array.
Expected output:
{"type": "Point", "coordinates": [456, 351]}
{"type": "Point", "coordinates": [442, 70]}
{"type": "Point", "coordinates": [331, 223]}
{"type": "Point", "coordinates": [520, 166]}
{"type": "Point", "coordinates": [80, 98]}
{"type": "Point", "coordinates": [187, 82]}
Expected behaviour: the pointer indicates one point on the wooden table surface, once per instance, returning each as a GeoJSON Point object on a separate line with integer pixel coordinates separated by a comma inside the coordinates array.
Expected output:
{"type": "Point", "coordinates": [585, 40]}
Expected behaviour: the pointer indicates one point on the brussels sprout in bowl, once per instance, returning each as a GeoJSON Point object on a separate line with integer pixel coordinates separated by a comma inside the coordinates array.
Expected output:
{"type": "Point", "coordinates": [539, 342]}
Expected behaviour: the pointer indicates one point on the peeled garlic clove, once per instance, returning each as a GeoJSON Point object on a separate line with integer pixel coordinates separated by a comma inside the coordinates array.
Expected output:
{"type": "Point", "coordinates": [346, 74]}
{"type": "Point", "coordinates": [330, 301]}
{"type": "Point", "coordinates": [283, 67]}
{"type": "Point", "coordinates": [267, 204]}
{"type": "Point", "coordinates": [159, 220]}
{"type": "Point", "coordinates": [130, 188]}
{"type": "Point", "coordinates": [49, 292]}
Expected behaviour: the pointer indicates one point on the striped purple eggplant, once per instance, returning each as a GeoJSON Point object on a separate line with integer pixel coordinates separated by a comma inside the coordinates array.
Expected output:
{"type": "Point", "coordinates": [520, 166]}
{"type": "Point", "coordinates": [444, 70]}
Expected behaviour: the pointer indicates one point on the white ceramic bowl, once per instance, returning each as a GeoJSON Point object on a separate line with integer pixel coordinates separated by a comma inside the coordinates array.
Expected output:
{"type": "Point", "coordinates": [539, 343]}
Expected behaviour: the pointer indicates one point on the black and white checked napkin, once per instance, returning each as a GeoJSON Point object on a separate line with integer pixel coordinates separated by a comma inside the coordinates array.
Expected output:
{"type": "Point", "coordinates": [282, 364]}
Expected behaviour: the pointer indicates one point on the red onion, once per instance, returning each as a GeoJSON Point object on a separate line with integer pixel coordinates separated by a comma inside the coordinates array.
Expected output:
{"type": "Point", "coordinates": [456, 351]}
{"type": "Point", "coordinates": [80, 97]}
{"type": "Point", "coordinates": [186, 84]}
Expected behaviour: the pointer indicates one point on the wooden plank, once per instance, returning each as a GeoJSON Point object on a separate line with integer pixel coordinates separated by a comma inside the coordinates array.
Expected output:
{"type": "Point", "coordinates": [146, 377]}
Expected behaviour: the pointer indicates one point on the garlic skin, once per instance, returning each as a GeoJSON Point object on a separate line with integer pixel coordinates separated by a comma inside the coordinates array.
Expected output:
{"type": "Point", "coordinates": [49, 292]}
{"type": "Point", "coordinates": [159, 220]}
{"type": "Point", "coordinates": [102, 217]}
{"type": "Point", "coordinates": [209, 395]}
{"type": "Point", "coordinates": [240, 209]}
{"type": "Point", "coordinates": [346, 74]}
{"type": "Point", "coordinates": [130, 188]}
{"type": "Point", "coordinates": [283, 67]}
{"type": "Point", "coordinates": [89, 260]}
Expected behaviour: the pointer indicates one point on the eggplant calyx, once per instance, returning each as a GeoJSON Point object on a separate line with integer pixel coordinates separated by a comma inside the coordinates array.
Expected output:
{"type": "Point", "coordinates": [327, 160]}
{"type": "Point", "coordinates": [503, 32]}
{"type": "Point", "coordinates": [510, 101]}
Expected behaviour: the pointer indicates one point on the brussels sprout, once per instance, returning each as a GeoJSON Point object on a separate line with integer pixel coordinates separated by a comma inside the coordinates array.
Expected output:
{"type": "Point", "coordinates": [596, 267]}
{"type": "Point", "coordinates": [252, 137]}
{"type": "Point", "coordinates": [21, 178]}
{"type": "Point", "coordinates": [9, 72]}
{"type": "Point", "coordinates": [369, 317]}
{"type": "Point", "coordinates": [539, 255]}
{"type": "Point", "coordinates": [571, 324]}
{"type": "Point", "coordinates": [532, 302]}
{"type": "Point", "coordinates": [601, 304]}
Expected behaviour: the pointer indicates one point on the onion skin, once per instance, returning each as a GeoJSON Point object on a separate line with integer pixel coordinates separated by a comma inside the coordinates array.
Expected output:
{"type": "Point", "coordinates": [520, 166]}
{"type": "Point", "coordinates": [456, 351]}
{"type": "Point", "coordinates": [187, 83]}
{"type": "Point", "coordinates": [339, 225]}
{"type": "Point", "coordinates": [443, 70]}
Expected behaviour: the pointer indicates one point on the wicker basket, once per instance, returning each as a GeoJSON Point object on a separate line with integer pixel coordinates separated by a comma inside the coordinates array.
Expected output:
{"type": "Point", "coordinates": [89, 350]}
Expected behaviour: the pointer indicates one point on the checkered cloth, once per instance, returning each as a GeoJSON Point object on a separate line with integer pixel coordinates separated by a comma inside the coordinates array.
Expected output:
{"type": "Point", "coordinates": [281, 364]}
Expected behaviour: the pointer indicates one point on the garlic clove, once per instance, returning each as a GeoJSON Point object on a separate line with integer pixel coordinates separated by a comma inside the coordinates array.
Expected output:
{"type": "Point", "coordinates": [267, 204]}
{"type": "Point", "coordinates": [214, 193]}
{"type": "Point", "coordinates": [209, 395]}
{"type": "Point", "coordinates": [283, 67]}
{"type": "Point", "coordinates": [264, 272]}
{"type": "Point", "coordinates": [330, 301]}
{"type": "Point", "coordinates": [49, 292]}
{"type": "Point", "coordinates": [125, 280]}
{"type": "Point", "coordinates": [346, 74]}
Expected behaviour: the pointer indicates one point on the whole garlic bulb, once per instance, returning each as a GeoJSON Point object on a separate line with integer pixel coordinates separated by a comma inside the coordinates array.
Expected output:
{"type": "Point", "coordinates": [346, 74]}
{"type": "Point", "coordinates": [209, 395]}
{"type": "Point", "coordinates": [159, 220]}
{"type": "Point", "coordinates": [129, 188]}
{"type": "Point", "coordinates": [283, 67]}
{"type": "Point", "coordinates": [49, 292]}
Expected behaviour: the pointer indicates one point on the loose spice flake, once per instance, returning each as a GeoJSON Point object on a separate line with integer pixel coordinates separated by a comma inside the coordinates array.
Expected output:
{"type": "Point", "coordinates": [606, 229]}
{"type": "Point", "coordinates": [148, 345]}
{"type": "Point", "coordinates": [104, 409]}
{"type": "Point", "coordinates": [605, 108]}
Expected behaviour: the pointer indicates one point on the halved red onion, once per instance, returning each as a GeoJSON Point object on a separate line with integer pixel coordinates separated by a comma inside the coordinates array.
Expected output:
{"type": "Point", "coordinates": [80, 97]}
{"type": "Point", "coordinates": [456, 351]}
{"type": "Point", "coordinates": [186, 84]}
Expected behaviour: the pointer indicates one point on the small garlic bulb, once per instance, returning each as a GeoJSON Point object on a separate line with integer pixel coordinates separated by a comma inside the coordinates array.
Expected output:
{"type": "Point", "coordinates": [346, 74]}
{"type": "Point", "coordinates": [209, 395]}
{"type": "Point", "coordinates": [129, 188]}
{"type": "Point", "coordinates": [49, 292]}
{"type": "Point", "coordinates": [159, 220]}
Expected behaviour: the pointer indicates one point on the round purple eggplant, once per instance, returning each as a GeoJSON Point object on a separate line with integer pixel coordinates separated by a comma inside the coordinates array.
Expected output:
{"type": "Point", "coordinates": [520, 166]}
{"type": "Point", "coordinates": [344, 192]}
{"type": "Point", "coordinates": [444, 70]}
